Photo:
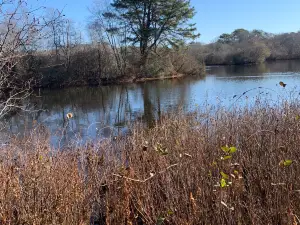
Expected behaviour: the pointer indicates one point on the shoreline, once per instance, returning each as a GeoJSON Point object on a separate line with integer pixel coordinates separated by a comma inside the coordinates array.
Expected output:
{"type": "Point", "coordinates": [141, 80]}
{"type": "Point", "coordinates": [116, 81]}
{"type": "Point", "coordinates": [249, 64]}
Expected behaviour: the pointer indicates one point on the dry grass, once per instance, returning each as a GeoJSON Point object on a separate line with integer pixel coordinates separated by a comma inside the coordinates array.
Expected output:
{"type": "Point", "coordinates": [170, 174]}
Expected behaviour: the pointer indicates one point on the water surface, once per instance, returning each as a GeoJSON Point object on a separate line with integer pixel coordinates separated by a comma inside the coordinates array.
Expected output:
{"type": "Point", "coordinates": [104, 111]}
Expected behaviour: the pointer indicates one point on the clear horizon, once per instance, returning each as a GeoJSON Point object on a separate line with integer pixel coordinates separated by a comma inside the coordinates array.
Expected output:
{"type": "Point", "coordinates": [213, 18]}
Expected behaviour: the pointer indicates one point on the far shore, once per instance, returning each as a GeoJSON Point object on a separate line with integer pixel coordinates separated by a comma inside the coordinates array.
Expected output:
{"type": "Point", "coordinates": [115, 81]}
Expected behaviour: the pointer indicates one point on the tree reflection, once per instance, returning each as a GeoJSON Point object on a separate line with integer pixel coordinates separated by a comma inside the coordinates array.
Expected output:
{"type": "Point", "coordinates": [114, 106]}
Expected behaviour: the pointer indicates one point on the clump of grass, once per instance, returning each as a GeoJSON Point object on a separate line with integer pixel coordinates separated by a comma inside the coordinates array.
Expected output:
{"type": "Point", "coordinates": [208, 167]}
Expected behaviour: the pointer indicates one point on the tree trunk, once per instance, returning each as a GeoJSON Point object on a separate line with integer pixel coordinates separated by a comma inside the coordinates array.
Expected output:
{"type": "Point", "coordinates": [143, 65]}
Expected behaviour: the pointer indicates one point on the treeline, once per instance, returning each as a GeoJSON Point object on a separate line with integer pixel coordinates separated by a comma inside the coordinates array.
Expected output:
{"type": "Point", "coordinates": [98, 63]}
{"type": "Point", "coordinates": [243, 46]}
{"type": "Point", "coordinates": [128, 41]}
{"type": "Point", "coordinates": [113, 54]}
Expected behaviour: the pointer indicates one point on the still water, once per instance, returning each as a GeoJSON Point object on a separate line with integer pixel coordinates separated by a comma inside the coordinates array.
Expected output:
{"type": "Point", "coordinates": [104, 111]}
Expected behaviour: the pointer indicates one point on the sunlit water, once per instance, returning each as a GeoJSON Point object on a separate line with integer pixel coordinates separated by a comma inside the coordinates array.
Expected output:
{"type": "Point", "coordinates": [105, 111]}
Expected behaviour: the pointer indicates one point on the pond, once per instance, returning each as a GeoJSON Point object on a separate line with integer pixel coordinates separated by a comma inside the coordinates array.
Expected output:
{"type": "Point", "coordinates": [104, 111]}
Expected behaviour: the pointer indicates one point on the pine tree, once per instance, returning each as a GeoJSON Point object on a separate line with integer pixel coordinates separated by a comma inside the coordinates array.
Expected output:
{"type": "Point", "coordinates": [153, 23]}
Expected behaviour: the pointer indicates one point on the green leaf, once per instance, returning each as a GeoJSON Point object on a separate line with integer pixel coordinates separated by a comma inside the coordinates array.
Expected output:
{"type": "Point", "coordinates": [170, 212]}
{"type": "Point", "coordinates": [164, 153]}
{"type": "Point", "coordinates": [223, 183]}
{"type": "Point", "coordinates": [227, 157]}
{"type": "Point", "coordinates": [214, 163]}
{"type": "Point", "coordinates": [229, 150]}
{"type": "Point", "coordinates": [232, 150]}
{"type": "Point", "coordinates": [287, 162]}
{"type": "Point", "coordinates": [225, 149]}
{"type": "Point", "coordinates": [210, 173]}
{"type": "Point", "coordinates": [160, 220]}
{"type": "Point", "coordinates": [224, 175]}
{"type": "Point", "coordinates": [297, 117]}
{"type": "Point", "coordinates": [161, 150]}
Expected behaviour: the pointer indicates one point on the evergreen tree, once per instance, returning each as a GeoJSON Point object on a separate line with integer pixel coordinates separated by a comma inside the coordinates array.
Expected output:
{"type": "Point", "coordinates": [149, 24]}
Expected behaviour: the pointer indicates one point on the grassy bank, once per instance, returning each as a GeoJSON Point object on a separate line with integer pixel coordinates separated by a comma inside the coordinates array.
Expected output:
{"type": "Point", "coordinates": [208, 167]}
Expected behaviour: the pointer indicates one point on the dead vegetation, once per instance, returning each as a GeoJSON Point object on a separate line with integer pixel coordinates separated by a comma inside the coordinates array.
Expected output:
{"type": "Point", "coordinates": [209, 167]}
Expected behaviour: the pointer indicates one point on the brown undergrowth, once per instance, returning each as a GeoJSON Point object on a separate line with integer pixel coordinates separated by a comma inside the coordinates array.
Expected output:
{"type": "Point", "coordinates": [209, 167]}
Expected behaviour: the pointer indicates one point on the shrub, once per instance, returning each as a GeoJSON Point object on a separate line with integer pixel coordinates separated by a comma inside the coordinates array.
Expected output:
{"type": "Point", "coordinates": [213, 166]}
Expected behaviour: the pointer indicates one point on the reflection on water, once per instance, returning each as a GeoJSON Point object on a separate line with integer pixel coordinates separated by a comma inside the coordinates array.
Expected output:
{"type": "Point", "coordinates": [104, 111]}
{"type": "Point", "coordinates": [263, 69]}
{"type": "Point", "coordinates": [100, 111]}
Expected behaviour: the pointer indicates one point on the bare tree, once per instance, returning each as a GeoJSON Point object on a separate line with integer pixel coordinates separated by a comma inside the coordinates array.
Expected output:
{"type": "Point", "coordinates": [63, 38]}
{"type": "Point", "coordinates": [101, 30]}
{"type": "Point", "coordinates": [20, 32]}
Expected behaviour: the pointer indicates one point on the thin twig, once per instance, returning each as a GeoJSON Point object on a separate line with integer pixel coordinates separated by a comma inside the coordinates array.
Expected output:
{"type": "Point", "coordinates": [145, 180]}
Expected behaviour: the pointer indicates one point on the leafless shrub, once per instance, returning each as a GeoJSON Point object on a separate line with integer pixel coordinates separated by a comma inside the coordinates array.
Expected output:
{"type": "Point", "coordinates": [20, 32]}
{"type": "Point", "coordinates": [178, 172]}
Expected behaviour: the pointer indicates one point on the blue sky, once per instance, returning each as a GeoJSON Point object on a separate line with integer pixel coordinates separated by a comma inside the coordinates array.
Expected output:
{"type": "Point", "coordinates": [213, 17]}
